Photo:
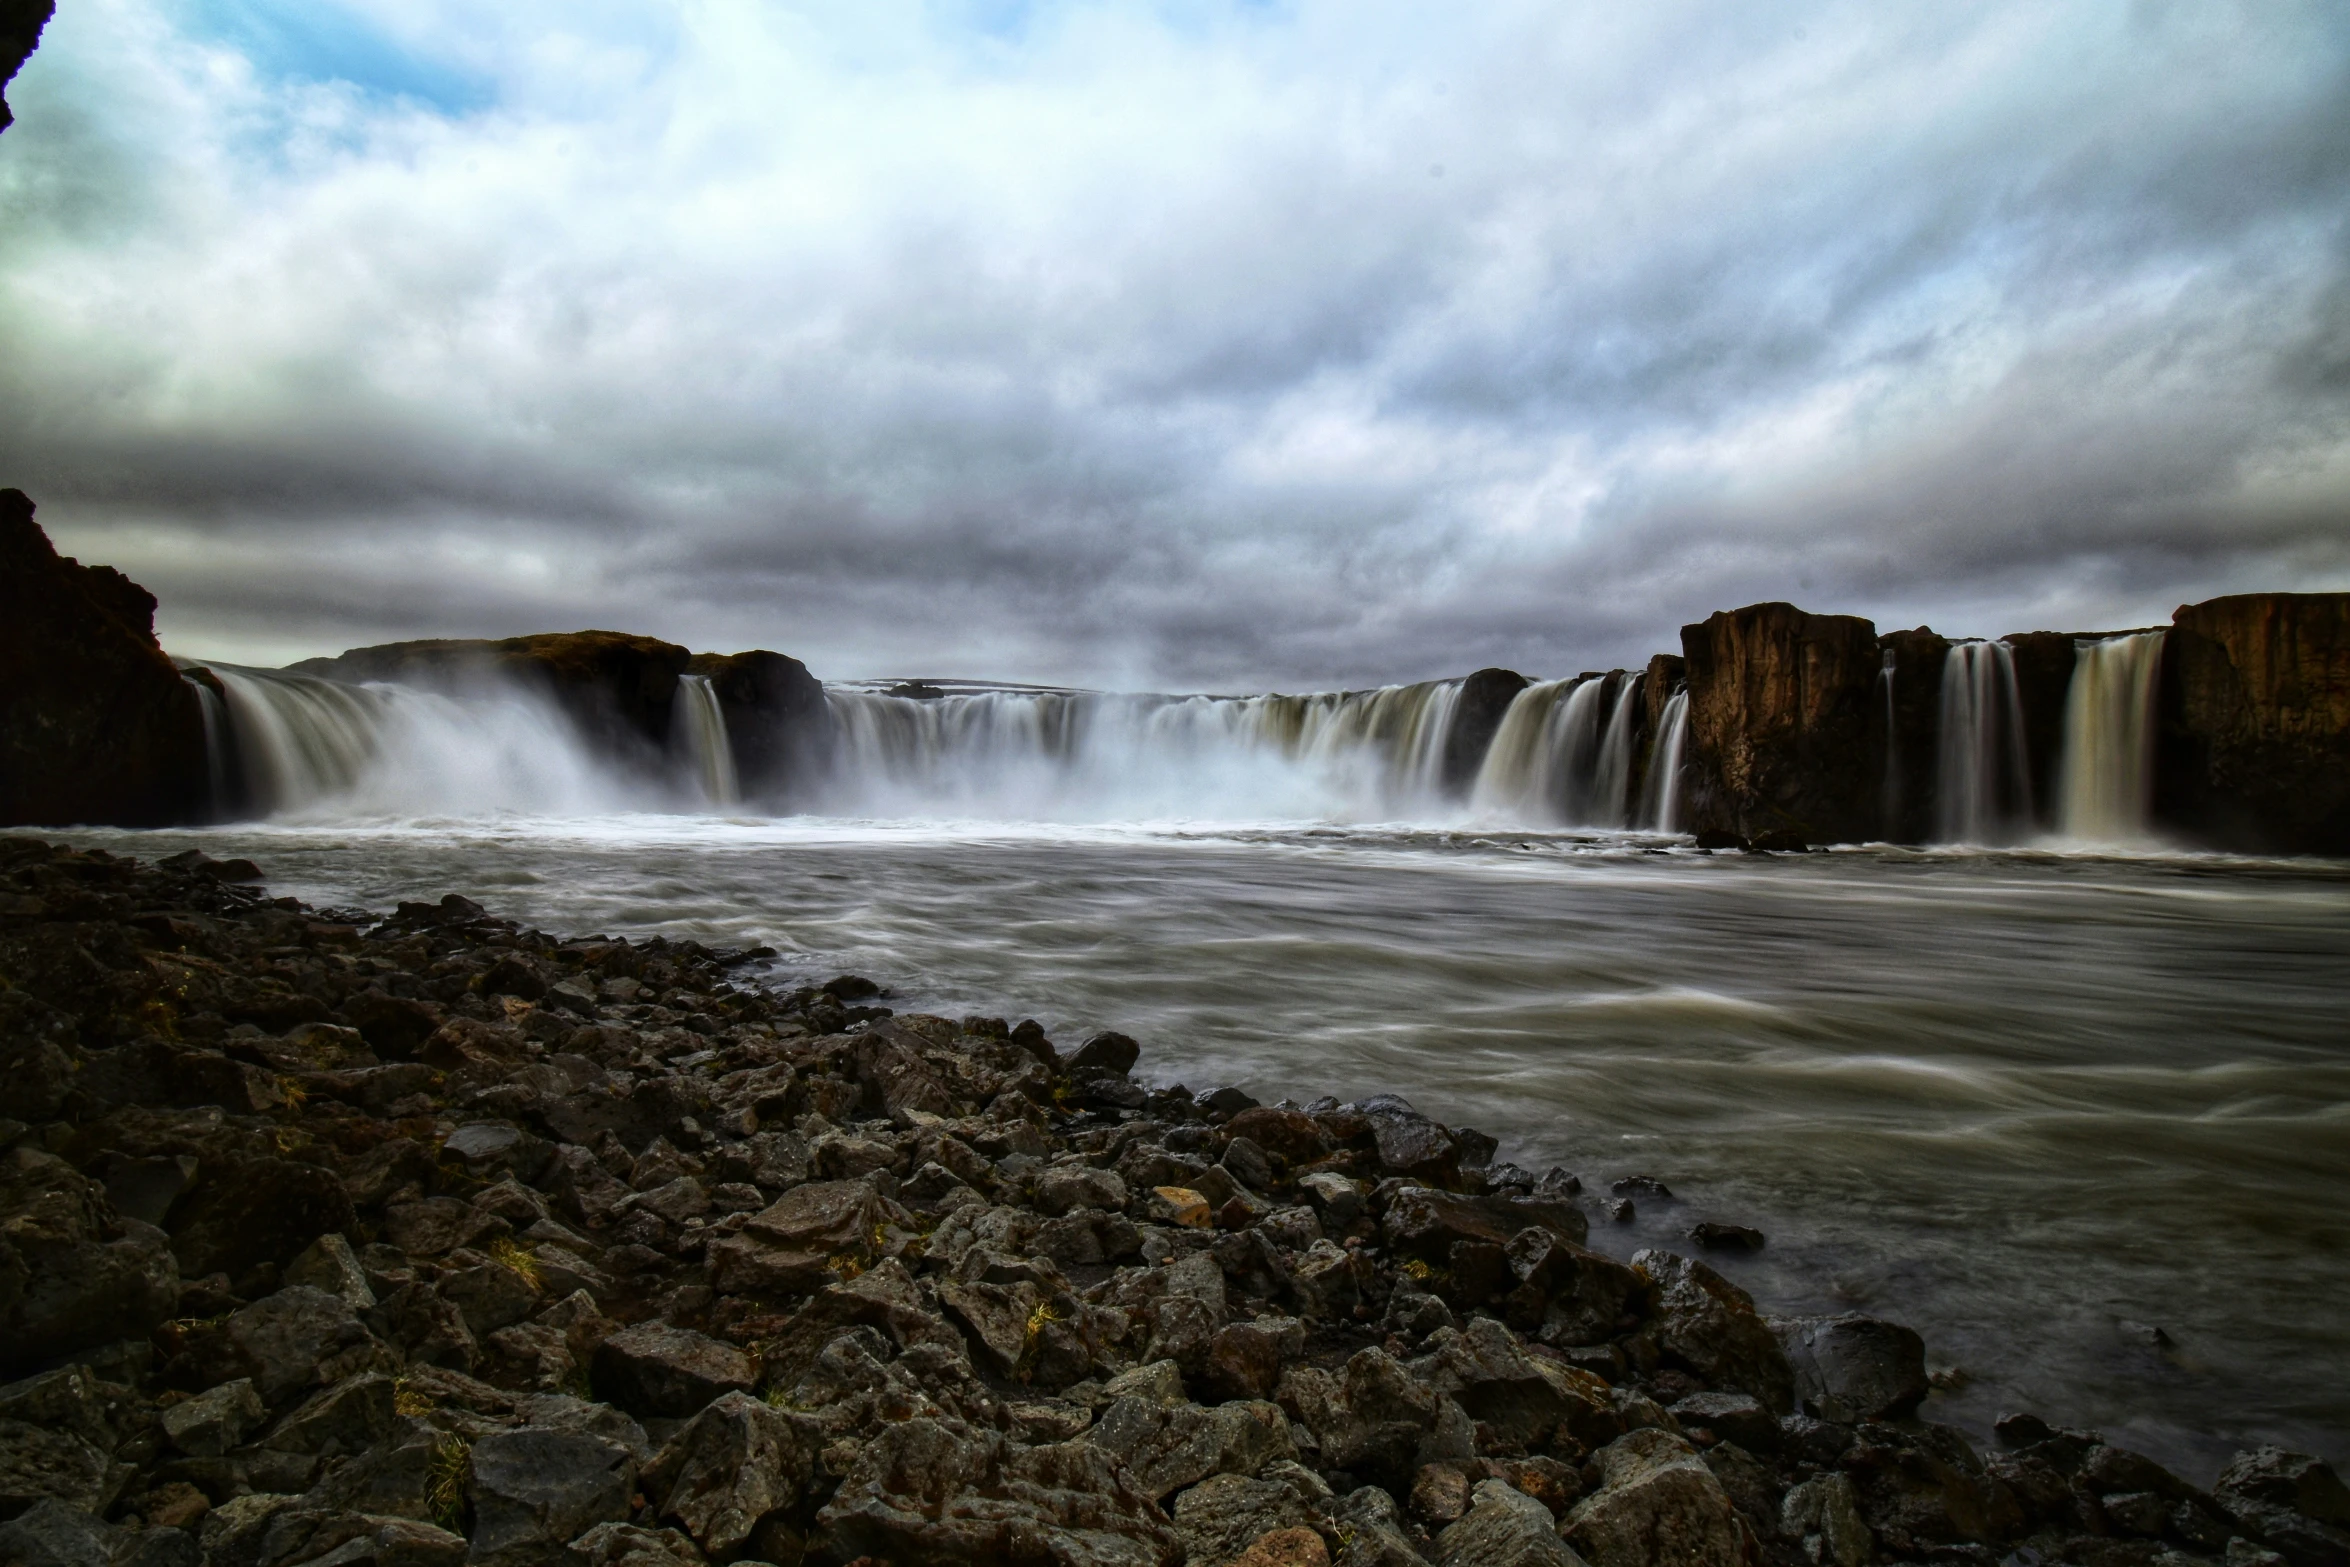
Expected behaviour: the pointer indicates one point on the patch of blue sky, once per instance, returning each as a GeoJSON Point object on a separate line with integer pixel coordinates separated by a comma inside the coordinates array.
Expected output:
{"type": "Point", "coordinates": [317, 41]}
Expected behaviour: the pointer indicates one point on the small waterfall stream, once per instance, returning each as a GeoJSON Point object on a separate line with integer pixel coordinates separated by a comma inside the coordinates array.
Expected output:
{"type": "Point", "coordinates": [704, 724]}
{"type": "Point", "coordinates": [2108, 770]}
{"type": "Point", "coordinates": [1555, 761]}
{"type": "Point", "coordinates": [1663, 809]}
{"type": "Point", "coordinates": [1985, 787]}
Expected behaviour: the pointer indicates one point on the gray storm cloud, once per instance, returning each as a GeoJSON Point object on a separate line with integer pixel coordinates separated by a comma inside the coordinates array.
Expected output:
{"type": "Point", "coordinates": [1287, 346]}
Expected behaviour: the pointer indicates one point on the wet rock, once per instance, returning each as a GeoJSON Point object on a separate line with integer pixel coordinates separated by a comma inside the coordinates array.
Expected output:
{"type": "Point", "coordinates": [1851, 1368]}
{"type": "Point", "coordinates": [287, 1342]}
{"type": "Point", "coordinates": [215, 1420]}
{"type": "Point", "coordinates": [72, 1273]}
{"type": "Point", "coordinates": [737, 1464]}
{"type": "Point", "coordinates": [1923, 1486]}
{"type": "Point", "coordinates": [1066, 1189]}
{"type": "Point", "coordinates": [1221, 1519]}
{"type": "Point", "coordinates": [1731, 1417]}
{"type": "Point", "coordinates": [1658, 1504]}
{"type": "Point", "coordinates": [1427, 1224]}
{"type": "Point", "coordinates": [53, 1533]}
{"type": "Point", "coordinates": [1781, 709]}
{"type": "Point", "coordinates": [656, 1369]}
{"type": "Point", "coordinates": [1726, 1237]}
{"type": "Point", "coordinates": [535, 1491]}
{"type": "Point", "coordinates": [345, 1419]}
{"type": "Point", "coordinates": [1711, 1326]}
{"type": "Point", "coordinates": [1285, 1548]}
{"type": "Point", "coordinates": [1286, 1134]}
{"type": "Point", "coordinates": [1503, 1528]}
{"type": "Point", "coordinates": [1824, 1515]}
{"type": "Point", "coordinates": [1407, 1142]}
{"type": "Point", "coordinates": [630, 1545]}
{"type": "Point", "coordinates": [2291, 1503]}
{"type": "Point", "coordinates": [1521, 1398]}
{"type": "Point", "coordinates": [1165, 1447]}
{"type": "Point", "coordinates": [1375, 1419]}
{"type": "Point", "coordinates": [1106, 1054]}
{"type": "Point", "coordinates": [255, 1211]}
{"type": "Point", "coordinates": [328, 1263]}
{"type": "Point", "coordinates": [36, 1462]}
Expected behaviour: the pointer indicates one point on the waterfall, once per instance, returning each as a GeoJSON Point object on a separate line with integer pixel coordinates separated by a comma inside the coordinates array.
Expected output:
{"type": "Point", "coordinates": [1554, 763]}
{"type": "Point", "coordinates": [311, 746]}
{"type": "Point", "coordinates": [1663, 810]}
{"type": "Point", "coordinates": [704, 724]}
{"type": "Point", "coordinates": [215, 742]}
{"type": "Point", "coordinates": [2108, 769]}
{"type": "Point", "coordinates": [1091, 756]}
{"type": "Point", "coordinates": [1985, 788]}
{"type": "Point", "coordinates": [1889, 789]}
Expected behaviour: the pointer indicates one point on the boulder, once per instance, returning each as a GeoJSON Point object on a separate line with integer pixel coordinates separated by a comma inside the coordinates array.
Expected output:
{"type": "Point", "coordinates": [37, 1462]}
{"type": "Point", "coordinates": [1658, 1506]}
{"type": "Point", "coordinates": [1476, 717]}
{"type": "Point", "coordinates": [1710, 1325]}
{"type": "Point", "coordinates": [72, 1272]}
{"type": "Point", "coordinates": [1165, 1447]}
{"type": "Point", "coordinates": [1409, 1143]}
{"type": "Point", "coordinates": [2254, 744]}
{"type": "Point", "coordinates": [287, 1342]}
{"type": "Point", "coordinates": [738, 1463]}
{"type": "Point", "coordinates": [1503, 1528]}
{"type": "Point", "coordinates": [1823, 1516]}
{"type": "Point", "coordinates": [1523, 1399]}
{"type": "Point", "coordinates": [2292, 1503]}
{"type": "Point", "coordinates": [215, 1420]}
{"type": "Point", "coordinates": [1785, 731]}
{"type": "Point", "coordinates": [1375, 1419]}
{"type": "Point", "coordinates": [248, 1212]}
{"type": "Point", "coordinates": [657, 1369]}
{"type": "Point", "coordinates": [1289, 1134]}
{"type": "Point", "coordinates": [1851, 1368]}
{"type": "Point", "coordinates": [535, 1491]}
{"type": "Point", "coordinates": [339, 1421]}
{"type": "Point", "coordinates": [53, 1533]}
{"type": "Point", "coordinates": [1222, 1518]}
{"type": "Point", "coordinates": [1427, 1224]}
{"type": "Point", "coordinates": [99, 726]}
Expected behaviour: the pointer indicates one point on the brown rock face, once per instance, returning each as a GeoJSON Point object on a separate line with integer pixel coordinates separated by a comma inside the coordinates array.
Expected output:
{"type": "Point", "coordinates": [2254, 750]}
{"type": "Point", "coordinates": [21, 22]}
{"type": "Point", "coordinates": [1909, 700]}
{"type": "Point", "coordinates": [96, 725]}
{"type": "Point", "coordinates": [2044, 683]}
{"type": "Point", "coordinates": [777, 721]}
{"type": "Point", "coordinates": [1485, 696]}
{"type": "Point", "coordinates": [620, 689]}
{"type": "Point", "coordinates": [1783, 732]}
{"type": "Point", "coordinates": [1663, 676]}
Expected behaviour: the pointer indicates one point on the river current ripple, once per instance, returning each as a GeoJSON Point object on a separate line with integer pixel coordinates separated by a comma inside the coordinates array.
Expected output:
{"type": "Point", "coordinates": [2035, 1104]}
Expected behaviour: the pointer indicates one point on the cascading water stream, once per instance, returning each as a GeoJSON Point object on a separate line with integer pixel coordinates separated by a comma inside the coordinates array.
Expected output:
{"type": "Point", "coordinates": [1663, 810]}
{"type": "Point", "coordinates": [1889, 789]}
{"type": "Point", "coordinates": [1089, 756]}
{"type": "Point", "coordinates": [1985, 787]}
{"type": "Point", "coordinates": [1554, 763]}
{"type": "Point", "coordinates": [2108, 769]}
{"type": "Point", "coordinates": [216, 743]}
{"type": "Point", "coordinates": [704, 724]}
{"type": "Point", "coordinates": [1611, 790]}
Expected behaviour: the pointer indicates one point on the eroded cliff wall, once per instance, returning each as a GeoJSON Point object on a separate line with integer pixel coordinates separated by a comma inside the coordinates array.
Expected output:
{"type": "Point", "coordinates": [778, 722]}
{"type": "Point", "coordinates": [96, 725]}
{"type": "Point", "coordinates": [1782, 733]}
{"type": "Point", "coordinates": [2254, 747]}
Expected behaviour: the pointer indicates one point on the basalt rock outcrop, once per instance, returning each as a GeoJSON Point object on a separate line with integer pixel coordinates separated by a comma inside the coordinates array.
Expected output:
{"type": "Point", "coordinates": [777, 720]}
{"type": "Point", "coordinates": [2254, 747]}
{"type": "Point", "coordinates": [620, 690]}
{"type": "Point", "coordinates": [96, 725]}
{"type": "Point", "coordinates": [1477, 713]}
{"type": "Point", "coordinates": [334, 1238]}
{"type": "Point", "coordinates": [21, 22]}
{"type": "Point", "coordinates": [1783, 734]}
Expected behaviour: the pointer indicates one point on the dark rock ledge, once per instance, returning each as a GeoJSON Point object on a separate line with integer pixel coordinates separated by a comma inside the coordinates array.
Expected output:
{"type": "Point", "coordinates": [330, 1239]}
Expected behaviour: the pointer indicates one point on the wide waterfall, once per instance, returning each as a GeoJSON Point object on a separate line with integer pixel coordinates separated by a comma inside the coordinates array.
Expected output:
{"type": "Point", "coordinates": [1662, 811]}
{"type": "Point", "coordinates": [703, 722]}
{"type": "Point", "coordinates": [300, 746]}
{"type": "Point", "coordinates": [1556, 762]}
{"type": "Point", "coordinates": [1092, 756]}
{"type": "Point", "coordinates": [2108, 769]}
{"type": "Point", "coordinates": [1985, 786]}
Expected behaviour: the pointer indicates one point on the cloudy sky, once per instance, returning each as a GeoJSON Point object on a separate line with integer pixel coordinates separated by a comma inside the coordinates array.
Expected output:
{"type": "Point", "coordinates": [1195, 343]}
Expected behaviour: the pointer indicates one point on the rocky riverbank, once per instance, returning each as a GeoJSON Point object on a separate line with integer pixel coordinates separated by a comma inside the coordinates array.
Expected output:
{"type": "Point", "coordinates": [327, 1237]}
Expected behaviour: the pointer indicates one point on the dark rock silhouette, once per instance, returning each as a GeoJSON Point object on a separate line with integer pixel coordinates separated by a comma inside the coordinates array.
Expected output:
{"type": "Point", "coordinates": [1906, 791]}
{"type": "Point", "coordinates": [1781, 729]}
{"type": "Point", "coordinates": [777, 720]}
{"type": "Point", "coordinates": [2254, 748]}
{"type": "Point", "coordinates": [1485, 697]}
{"type": "Point", "coordinates": [97, 726]}
{"type": "Point", "coordinates": [21, 22]}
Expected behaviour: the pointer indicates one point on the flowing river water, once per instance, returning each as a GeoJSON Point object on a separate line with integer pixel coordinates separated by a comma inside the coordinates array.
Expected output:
{"type": "Point", "coordinates": [2083, 1121]}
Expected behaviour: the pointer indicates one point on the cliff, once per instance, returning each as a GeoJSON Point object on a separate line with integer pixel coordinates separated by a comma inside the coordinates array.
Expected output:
{"type": "Point", "coordinates": [1910, 713]}
{"type": "Point", "coordinates": [96, 725]}
{"type": "Point", "coordinates": [1782, 736]}
{"type": "Point", "coordinates": [2253, 752]}
{"type": "Point", "coordinates": [621, 690]}
{"type": "Point", "coordinates": [777, 720]}
{"type": "Point", "coordinates": [21, 22]}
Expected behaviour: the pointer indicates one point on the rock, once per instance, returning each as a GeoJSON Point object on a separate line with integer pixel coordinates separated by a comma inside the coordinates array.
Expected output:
{"type": "Point", "coordinates": [738, 1463]}
{"type": "Point", "coordinates": [1476, 717]}
{"type": "Point", "coordinates": [214, 1421]}
{"type": "Point", "coordinates": [99, 726]}
{"type": "Point", "coordinates": [535, 1491]}
{"type": "Point", "coordinates": [1285, 1548]}
{"type": "Point", "coordinates": [1286, 1134]}
{"type": "Point", "coordinates": [329, 1264]}
{"type": "Point", "coordinates": [1158, 1382]}
{"type": "Point", "coordinates": [1428, 1224]}
{"type": "Point", "coordinates": [1066, 1189]}
{"type": "Point", "coordinates": [1503, 1528]}
{"type": "Point", "coordinates": [1243, 1361]}
{"type": "Point", "coordinates": [629, 1545]}
{"type": "Point", "coordinates": [1922, 1486]}
{"type": "Point", "coordinates": [1726, 1237]}
{"type": "Point", "coordinates": [289, 1341]}
{"type": "Point", "coordinates": [1521, 1398]}
{"type": "Point", "coordinates": [1177, 1205]}
{"type": "Point", "coordinates": [146, 1189]}
{"type": "Point", "coordinates": [1248, 1165]}
{"type": "Point", "coordinates": [72, 1274]}
{"type": "Point", "coordinates": [36, 1462]}
{"type": "Point", "coordinates": [1658, 1506]}
{"type": "Point", "coordinates": [2290, 1502]}
{"type": "Point", "coordinates": [782, 729]}
{"type": "Point", "coordinates": [1408, 1143]}
{"type": "Point", "coordinates": [1376, 1419]}
{"type": "Point", "coordinates": [249, 1212]}
{"type": "Point", "coordinates": [656, 1369]}
{"type": "Point", "coordinates": [1731, 1417]}
{"type": "Point", "coordinates": [51, 1533]}
{"type": "Point", "coordinates": [340, 1421]}
{"type": "Point", "coordinates": [1104, 1055]}
{"type": "Point", "coordinates": [1851, 1368]}
{"type": "Point", "coordinates": [2253, 752]}
{"type": "Point", "coordinates": [1783, 724]}
{"type": "Point", "coordinates": [489, 1295]}
{"type": "Point", "coordinates": [1335, 1198]}
{"type": "Point", "coordinates": [1571, 1295]}
{"type": "Point", "coordinates": [1711, 1326]}
{"type": "Point", "coordinates": [1165, 1447]}
{"type": "Point", "coordinates": [1824, 1515]}
{"type": "Point", "coordinates": [1376, 1533]}
{"type": "Point", "coordinates": [1222, 1518]}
